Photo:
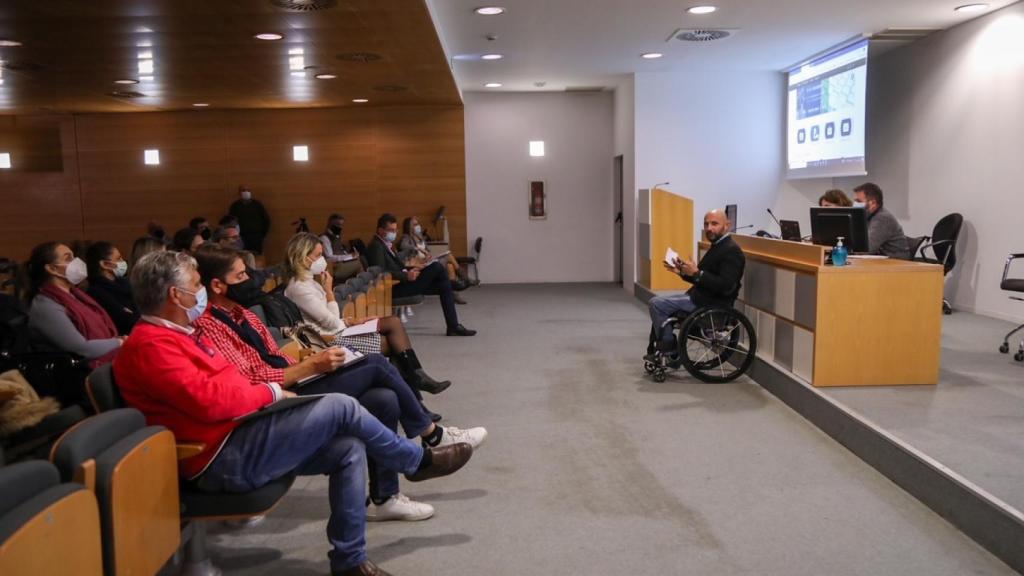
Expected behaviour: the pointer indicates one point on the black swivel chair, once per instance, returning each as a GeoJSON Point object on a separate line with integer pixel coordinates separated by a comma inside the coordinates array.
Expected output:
{"type": "Point", "coordinates": [1012, 285]}
{"type": "Point", "coordinates": [467, 261]}
{"type": "Point", "coordinates": [943, 247]}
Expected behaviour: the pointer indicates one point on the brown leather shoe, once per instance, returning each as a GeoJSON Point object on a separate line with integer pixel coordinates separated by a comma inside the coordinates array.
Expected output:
{"type": "Point", "coordinates": [445, 460]}
{"type": "Point", "coordinates": [365, 569]}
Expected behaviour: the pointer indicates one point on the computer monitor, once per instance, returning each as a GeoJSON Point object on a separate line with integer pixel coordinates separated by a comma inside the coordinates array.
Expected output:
{"type": "Point", "coordinates": [828, 224]}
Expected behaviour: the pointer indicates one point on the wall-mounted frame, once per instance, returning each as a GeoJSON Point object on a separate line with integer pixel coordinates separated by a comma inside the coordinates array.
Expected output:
{"type": "Point", "coordinates": [538, 209]}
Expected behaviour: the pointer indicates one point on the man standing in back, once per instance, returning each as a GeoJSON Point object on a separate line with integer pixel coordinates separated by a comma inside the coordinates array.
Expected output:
{"type": "Point", "coordinates": [252, 219]}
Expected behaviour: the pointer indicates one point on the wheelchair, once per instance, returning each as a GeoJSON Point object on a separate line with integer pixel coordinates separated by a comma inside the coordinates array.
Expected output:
{"type": "Point", "coordinates": [714, 344]}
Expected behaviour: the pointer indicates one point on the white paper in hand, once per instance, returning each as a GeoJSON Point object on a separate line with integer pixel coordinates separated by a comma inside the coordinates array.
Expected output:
{"type": "Point", "coordinates": [671, 256]}
{"type": "Point", "coordinates": [359, 329]}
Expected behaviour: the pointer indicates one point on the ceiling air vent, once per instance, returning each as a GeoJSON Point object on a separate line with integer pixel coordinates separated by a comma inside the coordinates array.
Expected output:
{"type": "Point", "coordinates": [390, 88]}
{"type": "Point", "coordinates": [305, 5]}
{"type": "Point", "coordinates": [701, 35]}
{"type": "Point", "coordinates": [126, 94]}
{"type": "Point", "coordinates": [22, 66]}
{"type": "Point", "coordinates": [584, 89]}
{"type": "Point", "coordinates": [358, 57]}
{"type": "Point", "coordinates": [902, 34]}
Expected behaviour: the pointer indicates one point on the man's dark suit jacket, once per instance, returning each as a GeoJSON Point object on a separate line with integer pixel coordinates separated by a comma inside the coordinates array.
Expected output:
{"type": "Point", "coordinates": [377, 254]}
{"type": "Point", "coordinates": [721, 272]}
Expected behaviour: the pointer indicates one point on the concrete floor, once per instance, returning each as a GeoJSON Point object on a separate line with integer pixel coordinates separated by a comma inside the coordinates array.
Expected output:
{"type": "Point", "coordinates": [973, 420]}
{"type": "Point", "coordinates": [591, 468]}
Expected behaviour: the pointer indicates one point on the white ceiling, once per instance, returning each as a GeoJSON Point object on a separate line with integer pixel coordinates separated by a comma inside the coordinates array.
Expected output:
{"type": "Point", "coordinates": [589, 43]}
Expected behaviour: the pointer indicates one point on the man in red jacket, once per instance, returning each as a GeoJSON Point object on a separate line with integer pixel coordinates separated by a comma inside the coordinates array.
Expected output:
{"type": "Point", "coordinates": [178, 380]}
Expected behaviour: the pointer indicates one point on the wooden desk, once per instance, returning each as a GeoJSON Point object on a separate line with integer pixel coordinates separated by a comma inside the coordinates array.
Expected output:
{"type": "Point", "coordinates": [871, 323]}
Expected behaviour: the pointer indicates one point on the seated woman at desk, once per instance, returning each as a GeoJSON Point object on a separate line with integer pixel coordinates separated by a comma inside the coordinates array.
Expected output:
{"type": "Point", "coordinates": [835, 198]}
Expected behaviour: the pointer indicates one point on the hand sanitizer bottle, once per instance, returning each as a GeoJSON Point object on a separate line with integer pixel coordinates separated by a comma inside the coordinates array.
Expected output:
{"type": "Point", "coordinates": [839, 253]}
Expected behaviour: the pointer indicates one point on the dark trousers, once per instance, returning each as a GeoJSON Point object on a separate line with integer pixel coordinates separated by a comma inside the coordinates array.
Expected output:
{"type": "Point", "coordinates": [433, 280]}
{"type": "Point", "coordinates": [381, 390]}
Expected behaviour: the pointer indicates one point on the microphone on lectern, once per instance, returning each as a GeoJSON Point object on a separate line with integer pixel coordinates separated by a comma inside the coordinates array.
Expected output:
{"type": "Point", "coordinates": [660, 184]}
{"type": "Point", "coordinates": [772, 214]}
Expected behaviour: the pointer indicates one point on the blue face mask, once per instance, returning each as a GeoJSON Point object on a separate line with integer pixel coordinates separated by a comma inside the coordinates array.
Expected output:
{"type": "Point", "coordinates": [200, 307]}
{"type": "Point", "coordinates": [390, 237]}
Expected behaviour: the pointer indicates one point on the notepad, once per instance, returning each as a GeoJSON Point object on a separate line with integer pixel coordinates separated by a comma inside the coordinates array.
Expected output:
{"type": "Point", "coordinates": [282, 404]}
{"type": "Point", "coordinates": [359, 329]}
{"type": "Point", "coordinates": [347, 257]}
{"type": "Point", "coordinates": [671, 256]}
{"type": "Point", "coordinates": [351, 357]}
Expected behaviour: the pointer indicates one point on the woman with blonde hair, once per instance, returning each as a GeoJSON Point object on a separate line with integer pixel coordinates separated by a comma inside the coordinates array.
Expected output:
{"type": "Point", "coordinates": [311, 287]}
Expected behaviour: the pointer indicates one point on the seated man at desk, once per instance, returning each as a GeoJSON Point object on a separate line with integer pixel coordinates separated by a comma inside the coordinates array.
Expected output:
{"type": "Point", "coordinates": [716, 282]}
{"type": "Point", "coordinates": [885, 235]}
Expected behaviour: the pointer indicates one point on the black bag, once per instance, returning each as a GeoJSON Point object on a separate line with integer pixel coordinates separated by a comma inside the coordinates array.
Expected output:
{"type": "Point", "coordinates": [279, 310]}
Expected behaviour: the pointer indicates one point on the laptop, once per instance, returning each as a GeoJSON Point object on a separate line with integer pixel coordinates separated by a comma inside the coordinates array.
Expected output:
{"type": "Point", "coordinates": [790, 230]}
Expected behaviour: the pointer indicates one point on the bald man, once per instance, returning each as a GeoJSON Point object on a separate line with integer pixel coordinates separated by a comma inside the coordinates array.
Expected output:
{"type": "Point", "coordinates": [716, 282]}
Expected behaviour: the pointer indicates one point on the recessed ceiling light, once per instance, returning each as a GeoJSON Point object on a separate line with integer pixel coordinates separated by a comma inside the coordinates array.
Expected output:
{"type": "Point", "coordinates": [126, 81]}
{"type": "Point", "coordinates": [492, 85]}
{"type": "Point", "coordinates": [201, 104]}
{"type": "Point", "coordinates": [326, 76]}
{"type": "Point", "coordinates": [491, 57]}
{"type": "Point", "coordinates": [701, 9]}
{"type": "Point", "coordinates": [489, 10]}
{"type": "Point", "coordinates": [268, 36]}
{"type": "Point", "coordinates": [971, 8]}
{"type": "Point", "coordinates": [651, 55]}
{"type": "Point", "coordinates": [360, 100]}
{"type": "Point", "coordinates": [7, 43]}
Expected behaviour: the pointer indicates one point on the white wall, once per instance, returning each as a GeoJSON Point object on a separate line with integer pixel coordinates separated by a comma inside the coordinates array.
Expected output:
{"type": "Point", "coordinates": [574, 244]}
{"type": "Point", "coordinates": [946, 134]}
{"type": "Point", "coordinates": [625, 144]}
{"type": "Point", "coordinates": [717, 136]}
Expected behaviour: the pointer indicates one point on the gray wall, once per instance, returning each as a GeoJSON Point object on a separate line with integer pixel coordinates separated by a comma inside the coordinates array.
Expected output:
{"type": "Point", "coordinates": [946, 134]}
{"type": "Point", "coordinates": [575, 242]}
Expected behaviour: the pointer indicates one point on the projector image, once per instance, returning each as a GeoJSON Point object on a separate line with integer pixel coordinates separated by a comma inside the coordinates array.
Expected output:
{"type": "Point", "coordinates": [846, 127]}
{"type": "Point", "coordinates": [801, 136]}
{"type": "Point", "coordinates": [830, 130]}
{"type": "Point", "coordinates": [815, 133]}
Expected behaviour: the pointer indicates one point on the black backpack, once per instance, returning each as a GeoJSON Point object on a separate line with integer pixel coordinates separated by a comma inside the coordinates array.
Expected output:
{"type": "Point", "coordinates": [279, 310]}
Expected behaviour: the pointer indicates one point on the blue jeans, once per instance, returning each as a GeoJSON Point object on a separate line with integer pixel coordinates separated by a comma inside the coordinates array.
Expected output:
{"type": "Point", "coordinates": [331, 436]}
{"type": "Point", "coordinates": [664, 307]}
{"type": "Point", "coordinates": [379, 387]}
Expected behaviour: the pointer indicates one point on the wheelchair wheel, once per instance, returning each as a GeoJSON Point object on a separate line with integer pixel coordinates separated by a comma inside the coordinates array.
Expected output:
{"type": "Point", "coordinates": [717, 344]}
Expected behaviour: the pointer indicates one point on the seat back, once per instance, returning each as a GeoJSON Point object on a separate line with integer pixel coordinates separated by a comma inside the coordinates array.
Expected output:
{"type": "Point", "coordinates": [477, 244]}
{"type": "Point", "coordinates": [47, 527]}
{"type": "Point", "coordinates": [914, 245]}
{"type": "Point", "coordinates": [133, 469]}
{"type": "Point", "coordinates": [102, 391]}
{"type": "Point", "coordinates": [948, 228]}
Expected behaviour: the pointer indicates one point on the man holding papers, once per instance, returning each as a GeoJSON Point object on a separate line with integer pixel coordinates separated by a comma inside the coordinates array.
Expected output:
{"type": "Point", "coordinates": [245, 342]}
{"type": "Point", "coordinates": [174, 375]}
{"type": "Point", "coordinates": [716, 281]}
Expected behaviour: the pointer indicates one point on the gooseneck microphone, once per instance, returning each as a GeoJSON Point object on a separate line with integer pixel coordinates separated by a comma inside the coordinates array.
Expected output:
{"type": "Point", "coordinates": [660, 184]}
{"type": "Point", "coordinates": [772, 214]}
{"type": "Point", "coordinates": [743, 227]}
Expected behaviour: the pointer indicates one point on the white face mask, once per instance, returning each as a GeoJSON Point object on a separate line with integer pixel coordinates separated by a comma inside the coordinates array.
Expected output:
{"type": "Point", "coordinates": [858, 204]}
{"type": "Point", "coordinates": [246, 195]}
{"type": "Point", "coordinates": [121, 268]}
{"type": "Point", "coordinates": [75, 272]}
{"type": "Point", "coordinates": [390, 236]}
{"type": "Point", "coordinates": [417, 230]}
{"type": "Point", "coordinates": [318, 266]}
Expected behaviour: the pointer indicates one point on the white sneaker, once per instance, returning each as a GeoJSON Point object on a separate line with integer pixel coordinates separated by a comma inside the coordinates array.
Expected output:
{"type": "Point", "coordinates": [399, 507]}
{"type": "Point", "coordinates": [409, 312]}
{"type": "Point", "coordinates": [245, 522]}
{"type": "Point", "coordinates": [472, 436]}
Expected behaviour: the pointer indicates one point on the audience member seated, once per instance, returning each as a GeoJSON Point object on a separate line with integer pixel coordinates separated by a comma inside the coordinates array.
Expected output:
{"type": "Point", "coordinates": [62, 315]}
{"type": "Point", "coordinates": [178, 379]}
{"type": "Point", "coordinates": [835, 198]}
{"type": "Point", "coordinates": [157, 232]}
{"type": "Point", "coordinates": [202, 226]}
{"type": "Point", "coordinates": [431, 279]}
{"type": "Point", "coordinates": [312, 290]}
{"type": "Point", "coordinates": [885, 235]}
{"type": "Point", "coordinates": [412, 250]}
{"type": "Point", "coordinates": [227, 235]}
{"type": "Point", "coordinates": [345, 259]}
{"type": "Point", "coordinates": [716, 282]}
{"type": "Point", "coordinates": [109, 286]}
{"type": "Point", "coordinates": [241, 338]}
{"type": "Point", "coordinates": [187, 240]}
{"type": "Point", "coordinates": [143, 246]}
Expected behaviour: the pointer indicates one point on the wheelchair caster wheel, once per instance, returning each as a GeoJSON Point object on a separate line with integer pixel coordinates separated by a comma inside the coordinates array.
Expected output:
{"type": "Point", "coordinates": [659, 376]}
{"type": "Point", "coordinates": [1019, 356]}
{"type": "Point", "coordinates": [649, 368]}
{"type": "Point", "coordinates": [1004, 347]}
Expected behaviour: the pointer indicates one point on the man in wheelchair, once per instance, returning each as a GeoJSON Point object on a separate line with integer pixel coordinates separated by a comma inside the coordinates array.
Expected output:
{"type": "Point", "coordinates": [715, 282]}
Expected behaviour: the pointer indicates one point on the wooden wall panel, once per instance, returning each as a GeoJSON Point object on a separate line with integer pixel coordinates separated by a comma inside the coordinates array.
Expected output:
{"type": "Point", "coordinates": [363, 162]}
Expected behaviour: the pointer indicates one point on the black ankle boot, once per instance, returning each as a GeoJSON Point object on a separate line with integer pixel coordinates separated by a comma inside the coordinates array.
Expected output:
{"type": "Point", "coordinates": [412, 372]}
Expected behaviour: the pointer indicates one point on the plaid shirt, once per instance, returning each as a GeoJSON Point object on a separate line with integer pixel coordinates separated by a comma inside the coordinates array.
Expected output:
{"type": "Point", "coordinates": [232, 347]}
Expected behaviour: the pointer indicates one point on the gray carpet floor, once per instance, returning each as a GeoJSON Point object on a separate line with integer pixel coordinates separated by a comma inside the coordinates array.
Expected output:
{"type": "Point", "coordinates": [973, 420]}
{"type": "Point", "coordinates": [591, 468]}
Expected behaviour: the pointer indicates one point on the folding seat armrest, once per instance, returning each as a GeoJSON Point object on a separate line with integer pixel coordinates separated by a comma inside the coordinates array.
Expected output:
{"type": "Point", "coordinates": [189, 449]}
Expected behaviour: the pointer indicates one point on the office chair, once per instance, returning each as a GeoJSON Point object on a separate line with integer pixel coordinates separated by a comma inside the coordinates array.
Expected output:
{"type": "Point", "coordinates": [943, 246]}
{"type": "Point", "coordinates": [467, 261]}
{"type": "Point", "coordinates": [1012, 285]}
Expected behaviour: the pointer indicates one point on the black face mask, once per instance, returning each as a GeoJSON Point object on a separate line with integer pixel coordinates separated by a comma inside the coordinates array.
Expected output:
{"type": "Point", "coordinates": [205, 233]}
{"type": "Point", "coordinates": [246, 293]}
{"type": "Point", "coordinates": [336, 230]}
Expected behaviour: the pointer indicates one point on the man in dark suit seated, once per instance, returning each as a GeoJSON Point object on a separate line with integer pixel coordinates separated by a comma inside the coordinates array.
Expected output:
{"type": "Point", "coordinates": [716, 282]}
{"type": "Point", "coordinates": [430, 279]}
